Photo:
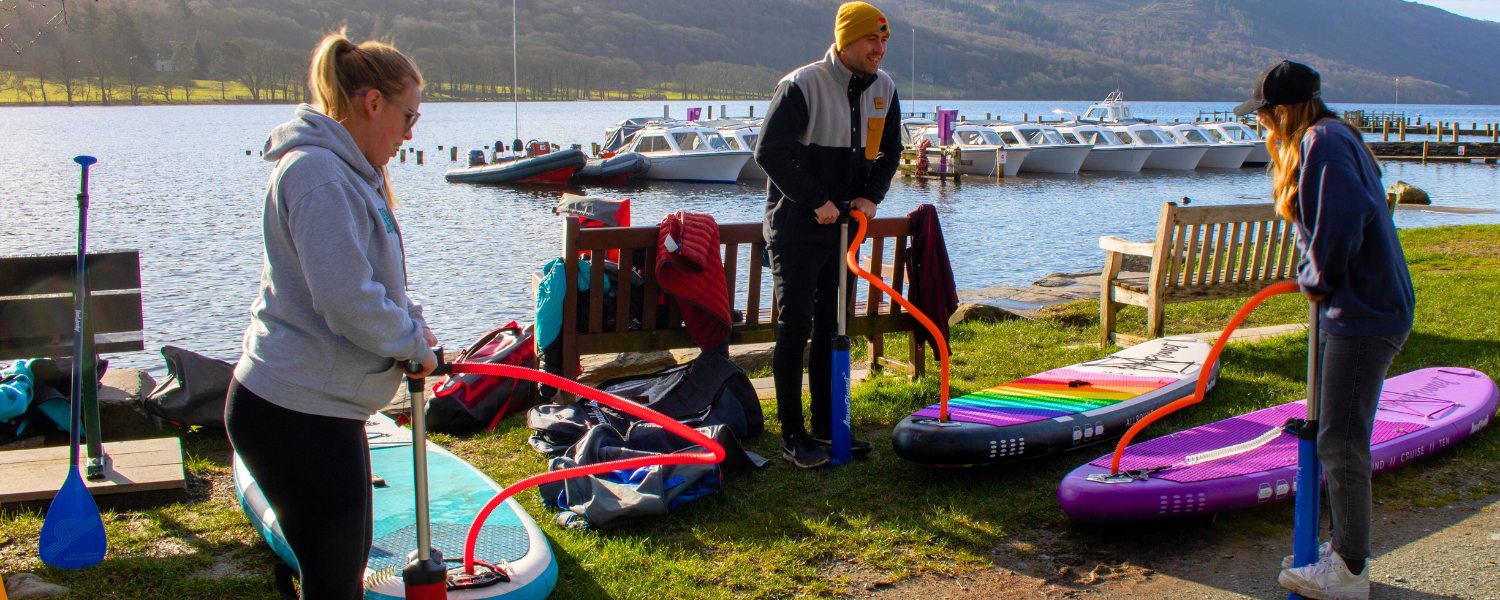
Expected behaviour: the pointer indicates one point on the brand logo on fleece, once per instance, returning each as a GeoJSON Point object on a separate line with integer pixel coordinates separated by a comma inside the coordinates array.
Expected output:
{"type": "Point", "coordinates": [390, 224]}
{"type": "Point", "coordinates": [881, 25]}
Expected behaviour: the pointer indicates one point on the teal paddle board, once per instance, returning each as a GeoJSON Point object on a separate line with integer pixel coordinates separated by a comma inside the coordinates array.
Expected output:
{"type": "Point", "coordinates": [457, 491]}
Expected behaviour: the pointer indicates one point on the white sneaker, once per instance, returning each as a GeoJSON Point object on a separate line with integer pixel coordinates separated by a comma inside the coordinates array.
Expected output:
{"type": "Point", "coordinates": [1323, 552]}
{"type": "Point", "coordinates": [1327, 579]}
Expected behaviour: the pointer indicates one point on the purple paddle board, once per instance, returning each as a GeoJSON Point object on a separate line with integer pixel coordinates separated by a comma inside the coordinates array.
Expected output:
{"type": "Point", "coordinates": [1420, 413]}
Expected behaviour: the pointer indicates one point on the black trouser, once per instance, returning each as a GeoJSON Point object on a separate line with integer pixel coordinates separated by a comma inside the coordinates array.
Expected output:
{"type": "Point", "coordinates": [805, 277]}
{"type": "Point", "coordinates": [315, 472]}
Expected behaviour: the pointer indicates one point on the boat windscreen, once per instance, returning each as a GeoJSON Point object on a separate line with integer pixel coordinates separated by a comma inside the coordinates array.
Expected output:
{"type": "Point", "coordinates": [1070, 138]}
{"type": "Point", "coordinates": [689, 142]}
{"type": "Point", "coordinates": [652, 143]}
{"type": "Point", "coordinates": [1149, 137]}
{"type": "Point", "coordinates": [751, 140]}
{"type": "Point", "coordinates": [1193, 136]}
{"type": "Point", "coordinates": [1214, 135]}
{"type": "Point", "coordinates": [733, 144]}
{"type": "Point", "coordinates": [1033, 136]}
{"type": "Point", "coordinates": [1009, 138]}
{"type": "Point", "coordinates": [973, 138]}
{"type": "Point", "coordinates": [716, 141]}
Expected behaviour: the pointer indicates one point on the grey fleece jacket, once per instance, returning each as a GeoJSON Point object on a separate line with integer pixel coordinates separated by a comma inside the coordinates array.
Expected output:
{"type": "Point", "coordinates": [332, 317]}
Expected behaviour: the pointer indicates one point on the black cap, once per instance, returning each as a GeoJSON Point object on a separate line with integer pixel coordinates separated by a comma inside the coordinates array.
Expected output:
{"type": "Point", "coordinates": [1284, 83]}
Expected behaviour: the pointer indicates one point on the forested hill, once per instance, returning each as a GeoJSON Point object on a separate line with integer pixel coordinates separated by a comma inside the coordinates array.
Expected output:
{"type": "Point", "coordinates": [977, 49]}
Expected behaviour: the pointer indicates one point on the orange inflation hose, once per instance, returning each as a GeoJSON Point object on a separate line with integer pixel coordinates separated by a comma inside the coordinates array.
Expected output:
{"type": "Point", "coordinates": [713, 456]}
{"type": "Point", "coordinates": [1208, 367]}
{"type": "Point", "coordinates": [852, 258]}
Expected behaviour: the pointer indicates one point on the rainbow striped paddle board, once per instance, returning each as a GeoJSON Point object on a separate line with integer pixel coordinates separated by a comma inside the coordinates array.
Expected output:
{"type": "Point", "coordinates": [1056, 410]}
{"type": "Point", "coordinates": [1250, 459]}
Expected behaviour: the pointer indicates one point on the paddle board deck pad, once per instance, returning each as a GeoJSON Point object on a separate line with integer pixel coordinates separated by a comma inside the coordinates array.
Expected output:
{"type": "Point", "coordinates": [457, 491]}
{"type": "Point", "coordinates": [1420, 413]}
{"type": "Point", "coordinates": [1056, 410]}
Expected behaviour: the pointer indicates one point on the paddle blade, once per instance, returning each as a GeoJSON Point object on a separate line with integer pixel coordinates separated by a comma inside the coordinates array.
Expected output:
{"type": "Point", "coordinates": [72, 533]}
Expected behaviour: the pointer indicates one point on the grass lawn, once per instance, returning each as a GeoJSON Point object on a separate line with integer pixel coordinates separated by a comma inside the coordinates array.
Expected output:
{"type": "Point", "coordinates": [774, 533]}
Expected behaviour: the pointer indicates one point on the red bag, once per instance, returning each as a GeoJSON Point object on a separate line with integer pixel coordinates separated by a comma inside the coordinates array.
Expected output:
{"type": "Point", "coordinates": [469, 402]}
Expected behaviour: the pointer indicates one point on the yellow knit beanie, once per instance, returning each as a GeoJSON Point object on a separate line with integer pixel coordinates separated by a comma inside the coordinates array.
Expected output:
{"type": "Point", "coordinates": [857, 20]}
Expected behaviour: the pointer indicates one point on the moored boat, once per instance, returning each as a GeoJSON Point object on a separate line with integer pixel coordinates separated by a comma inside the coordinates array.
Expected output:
{"type": "Point", "coordinates": [1221, 154]}
{"type": "Point", "coordinates": [1109, 153]}
{"type": "Point", "coordinates": [1049, 152]}
{"type": "Point", "coordinates": [980, 147]}
{"type": "Point", "coordinates": [741, 134]}
{"type": "Point", "coordinates": [535, 167]}
{"type": "Point", "coordinates": [613, 169]}
{"type": "Point", "coordinates": [1240, 132]}
{"type": "Point", "coordinates": [684, 151]}
{"type": "Point", "coordinates": [1166, 153]}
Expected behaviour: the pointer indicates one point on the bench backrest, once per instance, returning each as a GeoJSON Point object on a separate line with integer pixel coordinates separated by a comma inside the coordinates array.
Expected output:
{"type": "Point", "coordinates": [759, 324]}
{"type": "Point", "coordinates": [36, 303]}
{"type": "Point", "coordinates": [1210, 252]}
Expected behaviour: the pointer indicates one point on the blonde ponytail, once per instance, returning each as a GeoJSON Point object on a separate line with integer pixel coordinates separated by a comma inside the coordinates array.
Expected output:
{"type": "Point", "coordinates": [340, 69]}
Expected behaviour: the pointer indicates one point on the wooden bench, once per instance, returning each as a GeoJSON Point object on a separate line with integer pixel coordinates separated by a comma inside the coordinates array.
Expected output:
{"type": "Point", "coordinates": [1200, 253]}
{"type": "Point", "coordinates": [36, 321]}
{"type": "Point", "coordinates": [872, 318]}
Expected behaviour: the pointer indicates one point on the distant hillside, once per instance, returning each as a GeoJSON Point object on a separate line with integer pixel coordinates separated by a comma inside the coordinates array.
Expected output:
{"type": "Point", "coordinates": [113, 50]}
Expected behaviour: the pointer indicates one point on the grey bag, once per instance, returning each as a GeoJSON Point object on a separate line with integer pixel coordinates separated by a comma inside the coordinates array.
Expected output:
{"type": "Point", "coordinates": [194, 390]}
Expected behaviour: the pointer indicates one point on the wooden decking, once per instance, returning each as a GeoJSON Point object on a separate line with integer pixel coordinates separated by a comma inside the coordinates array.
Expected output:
{"type": "Point", "coordinates": [142, 473]}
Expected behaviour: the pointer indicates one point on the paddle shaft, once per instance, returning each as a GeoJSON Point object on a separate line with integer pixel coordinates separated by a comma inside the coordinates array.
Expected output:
{"type": "Point", "coordinates": [84, 367]}
{"type": "Point", "coordinates": [1309, 469]}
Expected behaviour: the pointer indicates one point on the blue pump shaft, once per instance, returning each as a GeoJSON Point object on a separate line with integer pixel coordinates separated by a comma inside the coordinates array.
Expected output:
{"type": "Point", "coordinates": [1309, 469]}
{"type": "Point", "coordinates": [840, 372]}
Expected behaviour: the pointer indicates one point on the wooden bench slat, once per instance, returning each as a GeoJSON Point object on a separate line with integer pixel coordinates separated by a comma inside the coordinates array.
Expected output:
{"type": "Point", "coordinates": [1247, 250]}
{"type": "Point", "coordinates": [596, 292]}
{"type": "Point", "coordinates": [731, 263]}
{"type": "Point", "coordinates": [1220, 248]}
{"type": "Point", "coordinates": [53, 315]}
{"type": "Point", "coordinates": [623, 291]}
{"type": "Point", "coordinates": [752, 295]}
{"type": "Point", "coordinates": [1194, 260]}
{"type": "Point", "coordinates": [1229, 213]}
{"type": "Point", "coordinates": [35, 274]}
{"type": "Point", "coordinates": [652, 291]}
{"type": "Point", "coordinates": [898, 271]}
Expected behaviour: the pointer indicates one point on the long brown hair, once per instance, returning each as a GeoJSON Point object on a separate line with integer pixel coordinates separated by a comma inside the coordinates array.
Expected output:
{"type": "Point", "coordinates": [341, 69]}
{"type": "Point", "coordinates": [1287, 125]}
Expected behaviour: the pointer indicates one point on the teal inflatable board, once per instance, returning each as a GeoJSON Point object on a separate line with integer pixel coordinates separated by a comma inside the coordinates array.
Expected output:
{"type": "Point", "coordinates": [457, 491]}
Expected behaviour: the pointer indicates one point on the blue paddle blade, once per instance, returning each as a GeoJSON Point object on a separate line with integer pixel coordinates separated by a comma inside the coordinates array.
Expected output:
{"type": "Point", "coordinates": [72, 533]}
{"type": "Point", "coordinates": [85, 160]}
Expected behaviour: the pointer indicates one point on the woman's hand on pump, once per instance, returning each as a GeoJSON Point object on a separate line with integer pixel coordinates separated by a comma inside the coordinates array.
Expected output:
{"type": "Point", "coordinates": [429, 365]}
{"type": "Point", "coordinates": [429, 336]}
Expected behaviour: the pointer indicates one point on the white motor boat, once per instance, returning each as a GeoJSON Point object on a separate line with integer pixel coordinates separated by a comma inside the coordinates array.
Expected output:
{"type": "Point", "coordinates": [1166, 153]}
{"type": "Point", "coordinates": [1049, 152]}
{"type": "Point", "coordinates": [1240, 132]}
{"type": "Point", "coordinates": [979, 146]}
{"type": "Point", "coordinates": [1109, 153]}
{"type": "Point", "coordinates": [1220, 154]}
{"type": "Point", "coordinates": [741, 134]}
{"type": "Point", "coordinates": [685, 151]}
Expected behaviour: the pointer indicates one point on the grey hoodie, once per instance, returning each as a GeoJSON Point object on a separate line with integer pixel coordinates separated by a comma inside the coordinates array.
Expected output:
{"type": "Point", "coordinates": [332, 317]}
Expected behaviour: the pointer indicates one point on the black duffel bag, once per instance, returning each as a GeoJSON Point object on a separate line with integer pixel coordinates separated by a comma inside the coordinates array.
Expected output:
{"type": "Point", "coordinates": [194, 390]}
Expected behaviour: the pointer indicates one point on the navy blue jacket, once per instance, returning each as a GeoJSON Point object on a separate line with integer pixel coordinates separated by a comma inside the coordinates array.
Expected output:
{"type": "Point", "coordinates": [1350, 253]}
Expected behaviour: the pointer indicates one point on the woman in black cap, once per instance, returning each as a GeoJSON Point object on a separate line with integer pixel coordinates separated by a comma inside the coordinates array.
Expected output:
{"type": "Point", "coordinates": [1327, 183]}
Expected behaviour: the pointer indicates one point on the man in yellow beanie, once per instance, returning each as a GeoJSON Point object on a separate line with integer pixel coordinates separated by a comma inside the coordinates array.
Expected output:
{"type": "Point", "coordinates": [830, 142]}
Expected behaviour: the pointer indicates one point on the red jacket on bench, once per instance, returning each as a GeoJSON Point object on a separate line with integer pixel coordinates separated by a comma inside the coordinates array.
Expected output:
{"type": "Point", "coordinates": [689, 267]}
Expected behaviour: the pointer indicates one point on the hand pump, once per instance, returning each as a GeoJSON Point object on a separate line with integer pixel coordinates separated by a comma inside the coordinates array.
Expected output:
{"type": "Point", "coordinates": [840, 372]}
{"type": "Point", "coordinates": [1309, 469]}
{"type": "Point", "coordinates": [425, 577]}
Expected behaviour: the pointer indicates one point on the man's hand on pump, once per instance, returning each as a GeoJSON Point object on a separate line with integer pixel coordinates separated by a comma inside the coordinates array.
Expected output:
{"type": "Point", "coordinates": [829, 212]}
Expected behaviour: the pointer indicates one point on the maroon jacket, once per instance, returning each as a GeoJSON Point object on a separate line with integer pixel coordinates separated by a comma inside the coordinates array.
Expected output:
{"type": "Point", "coordinates": [931, 276]}
{"type": "Point", "coordinates": [691, 270]}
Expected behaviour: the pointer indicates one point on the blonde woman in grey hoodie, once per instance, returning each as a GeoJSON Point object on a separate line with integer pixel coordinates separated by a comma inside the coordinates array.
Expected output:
{"type": "Point", "coordinates": [332, 319]}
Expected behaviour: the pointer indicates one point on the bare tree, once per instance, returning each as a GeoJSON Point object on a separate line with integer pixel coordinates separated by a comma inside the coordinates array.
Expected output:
{"type": "Point", "coordinates": [67, 68]}
{"type": "Point", "coordinates": [25, 22]}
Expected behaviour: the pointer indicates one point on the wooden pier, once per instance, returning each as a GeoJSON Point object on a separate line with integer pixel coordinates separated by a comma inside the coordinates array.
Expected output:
{"type": "Point", "coordinates": [142, 474]}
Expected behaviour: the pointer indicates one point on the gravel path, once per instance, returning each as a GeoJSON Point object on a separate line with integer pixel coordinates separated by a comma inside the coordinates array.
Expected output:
{"type": "Point", "coordinates": [1420, 554]}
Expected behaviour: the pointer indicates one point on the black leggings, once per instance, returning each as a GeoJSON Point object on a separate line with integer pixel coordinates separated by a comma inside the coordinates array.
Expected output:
{"type": "Point", "coordinates": [315, 472]}
{"type": "Point", "coordinates": [806, 282]}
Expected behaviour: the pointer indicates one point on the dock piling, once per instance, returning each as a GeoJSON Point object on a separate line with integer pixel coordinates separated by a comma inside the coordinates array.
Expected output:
{"type": "Point", "coordinates": [453, 154]}
{"type": "Point", "coordinates": [752, 111]}
{"type": "Point", "coordinates": [403, 155]}
{"type": "Point", "coordinates": [1403, 130]}
{"type": "Point", "coordinates": [419, 157]}
{"type": "Point", "coordinates": [1385, 131]}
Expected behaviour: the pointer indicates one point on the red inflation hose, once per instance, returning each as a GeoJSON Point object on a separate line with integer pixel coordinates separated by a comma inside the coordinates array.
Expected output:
{"type": "Point", "coordinates": [715, 454]}
{"type": "Point", "coordinates": [1208, 367]}
{"type": "Point", "coordinates": [852, 258]}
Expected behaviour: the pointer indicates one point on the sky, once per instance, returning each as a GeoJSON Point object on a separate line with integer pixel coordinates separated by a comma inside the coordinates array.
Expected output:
{"type": "Point", "coordinates": [1488, 10]}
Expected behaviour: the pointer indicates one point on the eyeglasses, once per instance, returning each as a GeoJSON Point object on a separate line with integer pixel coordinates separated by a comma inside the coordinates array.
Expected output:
{"type": "Point", "coordinates": [411, 115]}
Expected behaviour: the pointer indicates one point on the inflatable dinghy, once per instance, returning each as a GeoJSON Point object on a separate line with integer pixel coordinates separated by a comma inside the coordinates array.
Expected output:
{"type": "Point", "coordinates": [1056, 410]}
{"type": "Point", "coordinates": [1251, 459]}
{"type": "Point", "coordinates": [457, 491]}
{"type": "Point", "coordinates": [615, 170]}
{"type": "Point", "coordinates": [553, 167]}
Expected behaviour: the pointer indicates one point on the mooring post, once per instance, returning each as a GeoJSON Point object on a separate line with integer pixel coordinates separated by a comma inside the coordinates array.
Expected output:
{"type": "Point", "coordinates": [752, 111]}
{"type": "Point", "coordinates": [1403, 130]}
{"type": "Point", "coordinates": [419, 157]}
{"type": "Point", "coordinates": [453, 153]}
{"type": "Point", "coordinates": [1424, 152]}
{"type": "Point", "coordinates": [1385, 131]}
{"type": "Point", "coordinates": [403, 155]}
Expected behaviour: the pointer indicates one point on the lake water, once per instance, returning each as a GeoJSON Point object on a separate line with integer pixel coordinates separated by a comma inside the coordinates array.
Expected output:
{"type": "Point", "coordinates": [175, 183]}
